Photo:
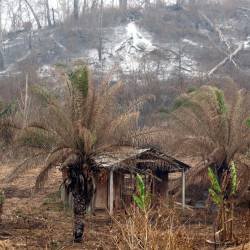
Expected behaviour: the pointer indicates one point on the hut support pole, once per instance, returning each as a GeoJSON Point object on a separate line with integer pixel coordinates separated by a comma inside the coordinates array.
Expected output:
{"type": "Point", "coordinates": [111, 191]}
{"type": "Point", "coordinates": [183, 189]}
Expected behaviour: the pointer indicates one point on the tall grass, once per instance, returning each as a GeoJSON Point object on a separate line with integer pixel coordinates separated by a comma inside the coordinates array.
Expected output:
{"type": "Point", "coordinates": [6, 245]}
{"type": "Point", "coordinates": [156, 228]}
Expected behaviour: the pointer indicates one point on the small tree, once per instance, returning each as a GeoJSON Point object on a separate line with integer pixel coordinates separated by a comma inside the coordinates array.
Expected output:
{"type": "Point", "coordinates": [224, 199]}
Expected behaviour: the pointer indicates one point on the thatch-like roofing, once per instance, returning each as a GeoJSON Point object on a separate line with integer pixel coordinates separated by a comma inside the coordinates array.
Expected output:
{"type": "Point", "coordinates": [130, 158]}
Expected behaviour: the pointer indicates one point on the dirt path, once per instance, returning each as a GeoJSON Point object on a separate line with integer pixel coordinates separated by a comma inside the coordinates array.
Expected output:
{"type": "Point", "coordinates": [39, 220]}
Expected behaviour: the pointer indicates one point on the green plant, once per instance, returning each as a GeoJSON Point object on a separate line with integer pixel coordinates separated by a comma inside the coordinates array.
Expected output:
{"type": "Point", "coordinates": [216, 191]}
{"type": "Point", "coordinates": [223, 198]}
{"type": "Point", "coordinates": [142, 200]}
{"type": "Point", "coordinates": [248, 122]}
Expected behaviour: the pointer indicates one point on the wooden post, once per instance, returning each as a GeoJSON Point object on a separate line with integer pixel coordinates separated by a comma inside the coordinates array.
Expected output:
{"type": "Point", "coordinates": [111, 191]}
{"type": "Point", "coordinates": [183, 189]}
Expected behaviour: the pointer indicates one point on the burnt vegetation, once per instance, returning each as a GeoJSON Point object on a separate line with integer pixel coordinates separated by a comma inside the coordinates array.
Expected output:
{"type": "Point", "coordinates": [131, 120]}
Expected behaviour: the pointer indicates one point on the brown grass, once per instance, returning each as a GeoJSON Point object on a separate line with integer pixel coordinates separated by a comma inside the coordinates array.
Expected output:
{"type": "Point", "coordinates": [5, 245]}
{"type": "Point", "coordinates": [153, 229]}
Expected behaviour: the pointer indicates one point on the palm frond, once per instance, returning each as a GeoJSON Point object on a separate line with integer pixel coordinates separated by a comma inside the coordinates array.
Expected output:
{"type": "Point", "coordinates": [36, 138]}
{"type": "Point", "coordinates": [26, 165]}
{"type": "Point", "coordinates": [56, 156]}
{"type": "Point", "coordinates": [44, 96]}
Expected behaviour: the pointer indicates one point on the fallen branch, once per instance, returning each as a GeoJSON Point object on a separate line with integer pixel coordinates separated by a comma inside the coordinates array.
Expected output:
{"type": "Point", "coordinates": [228, 58]}
{"type": "Point", "coordinates": [222, 38]}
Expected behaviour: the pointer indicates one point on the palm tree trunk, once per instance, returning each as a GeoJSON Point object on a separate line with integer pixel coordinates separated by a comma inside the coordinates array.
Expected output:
{"type": "Point", "coordinates": [79, 182]}
{"type": "Point", "coordinates": [79, 208]}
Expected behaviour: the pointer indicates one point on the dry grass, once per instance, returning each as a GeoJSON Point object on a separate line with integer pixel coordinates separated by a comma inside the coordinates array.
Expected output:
{"type": "Point", "coordinates": [153, 229]}
{"type": "Point", "coordinates": [5, 245]}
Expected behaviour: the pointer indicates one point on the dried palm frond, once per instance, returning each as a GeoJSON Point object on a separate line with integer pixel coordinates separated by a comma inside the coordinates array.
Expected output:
{"type": "Point", "coordinates": [58, 155]}
{"type": "Point", "coordinates": [211, 124]}
{"type": "Point", "coordinates": [90, 118]}
{"type": "Point", "coordinates": [26, 165]}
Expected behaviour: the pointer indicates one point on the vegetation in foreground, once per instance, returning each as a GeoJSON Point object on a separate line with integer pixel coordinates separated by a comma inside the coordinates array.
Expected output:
{"type": "Point", "coordinates": [214, 125]}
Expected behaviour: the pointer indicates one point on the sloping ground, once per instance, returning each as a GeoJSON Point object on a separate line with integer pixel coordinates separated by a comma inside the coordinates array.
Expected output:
{"type": "Point", "coordinates": [39, 220]}
{"type": "Point", "coordinates": [241, 247]}
{"type": "Point", "coordinates": [126, 47]}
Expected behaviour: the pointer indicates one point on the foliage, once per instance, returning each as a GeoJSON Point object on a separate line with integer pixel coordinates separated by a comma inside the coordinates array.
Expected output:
{"type": "Point", "coordinates": [2, 197]}
{"type": "Point", "coordinates": [248, 122]}
{"type": "Point", "coordinates": [233, 178]}
{"type": "Point", "coordinates": [222, 197]}
{"type": "Point", "coordinates": [211, 124]}
{"type": "Point", "coordinates": [7, 124]}
{"type": "Point", "coordinates": [222, 108]}
{"type": "Point", "coordinates": [214, 181]}
{"type": "Point", "coordinates": [7, 110]}
{"type": "Point", "coordinates": [80, 80]}
{"type": "Point", "coordinates": [86, 121]}
{"type": "Point", "coordinates": [142, 199]}
{"type": "Point", "coordinates": [35, 138]}
{"type": "Point", "coordinates": [217, 192]}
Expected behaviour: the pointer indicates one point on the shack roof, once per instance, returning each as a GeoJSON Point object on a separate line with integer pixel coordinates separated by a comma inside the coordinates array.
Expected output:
{"type": "Point", "coordinates": [131, 158]}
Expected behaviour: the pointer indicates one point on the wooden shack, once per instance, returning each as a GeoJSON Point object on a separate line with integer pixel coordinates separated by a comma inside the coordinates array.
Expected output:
{"type": "Point", "coordinates": [118, 166]}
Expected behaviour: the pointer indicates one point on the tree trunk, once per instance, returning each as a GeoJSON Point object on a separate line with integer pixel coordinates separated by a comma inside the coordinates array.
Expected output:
{"type": "Point", "coordinates": [178, 3]}
{"type": "Point", "coordinates": [147, 3]}
{"type": "Point", "coordinates": [76, 9]}
{"type": "Point", "coordinates": [79, 182]}
{"type": "Point", "coordinates": [123, 4]}
{"type": "Point", "coordinates": [100, 33]}
{"type": "Point", "coordinates": [1, 60]}
{"type": "Point", "coordinates": [85, 6]}
{"type": "Point", "coordinates": [48, 13]}
{"type": "Point", "coordinates": [53, 16]}
{"type": "Point", "coordinates": [1, 30]}
{"type": "Point", "coordinates": [34, 14]}
{"type": "Point", "coordinates": [94, 5]}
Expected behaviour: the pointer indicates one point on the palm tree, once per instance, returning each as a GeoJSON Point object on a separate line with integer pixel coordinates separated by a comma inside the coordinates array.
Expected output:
{"type": "Point", "coordinates": [71, 129]}
{"type": "Point", "coordinates": [212, 124]}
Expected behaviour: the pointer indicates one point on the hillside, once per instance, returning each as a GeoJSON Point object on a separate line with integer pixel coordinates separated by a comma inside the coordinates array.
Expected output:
{"type": "Point", "coordinates": [193, 42]}
{"type": "Point", "coordinates": [125, 124]}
